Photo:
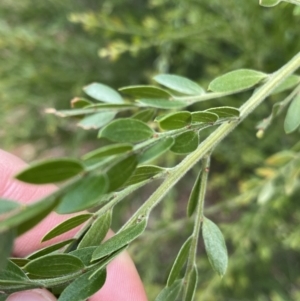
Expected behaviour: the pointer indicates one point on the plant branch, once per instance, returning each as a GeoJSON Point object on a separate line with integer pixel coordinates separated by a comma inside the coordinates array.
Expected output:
{"type": "Point", "coordinates": [198, 220]}
{"type": "Point", "coordinates": [216, 137]}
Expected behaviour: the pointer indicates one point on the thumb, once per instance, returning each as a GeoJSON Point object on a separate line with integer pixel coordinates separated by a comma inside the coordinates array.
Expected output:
{"type": "Point", "coordinates": [32, 295]}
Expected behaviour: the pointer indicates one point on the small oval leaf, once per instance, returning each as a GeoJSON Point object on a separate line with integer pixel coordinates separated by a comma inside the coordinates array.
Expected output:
{"type": "Point", "coordinates": [96, 121]}
{"type": "Point", "coordinates": [266, 193]}
{"type": "Point", "coordinates": [225, 112]}
{"type": "Point", "coordinates": [175, 120]}
{"type": "Point", "coordinates": [236, 80]}
{"type": "Point", "coordinates": [179, 262]}
{"type": "Point", "coordinates": [215, 246]}
{"type": "Point", "coordinates": [79, 103]}
{"type": "Point", "coordinates": [119, 240]}
{"type": "Point", "coordinates": [50, 249]}
{"type": "Point", "coordinates": [28, 216]}
{"type": "Point", "coordinates": [191, 285]}
{"type": "Point", "coordinates": [126, 130]}
{"type": "Point", "coordinates": [12, 272]}
{"type": "Point", "coordinates": [55, 170]}
{"type": "Point", "coordinates": [269, 3]}
{"type": "Point", "coordinates": [103, 93]}
{"type": "Point", "coordinates": [287, 84]}
{"type": "Point", "coordinates": [67, 225]}
{"type": "Point", "coordinates": [84, 286]}
{"type": "Point", "coordinates": [56, 265]}
{"type": "Point", "coordinates": [145, 92]}
{"type": "Point", "coordinates": [185, 143]}
{"type": "Point", "coordinates": [170, 293]}
{"type": "Point", "coordinates": [121, 172]}
{"type": "Point", "coordinates": [97, 231]}
{"type": "Point", "coordinates": [280, 158]}
{"type": "Point", "coordinates": [6, 245]}
{"type": "Point", "coordinates": [83, 195]}
{"type": "Point", "coordinates": [108, 150]}
{"type": "Point", "coordinates": [143, 173]}
{"type": "Point", "coordinates": [292, 118]}
{"type": "Point", "coordinates": [156, 150]}
{"type": "Point", "coordinates": [178, 83]}
{"type": "Point", "coordinates": [8, 205]}
{"type": "Point", "coordinates": [194, 196]}
{"type": "Point", "coordinates": [84, 254]}
{"type": "Point", "coordinates": [204, 116]}
{"type": "Point", "coordinates": [145, 115]}
{"type": "Point", "coordinates": [163, 103]}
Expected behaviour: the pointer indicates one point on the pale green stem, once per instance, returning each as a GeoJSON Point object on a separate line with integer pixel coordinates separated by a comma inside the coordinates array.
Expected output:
{"type": "Point", "coordinates": [216, 137]}
{"type": "Point", "coordinates": [115, 197]}
{"type": "Point", "coordinates": [198, 219]}
{"type": "Point", "coordinates": [203, 97]}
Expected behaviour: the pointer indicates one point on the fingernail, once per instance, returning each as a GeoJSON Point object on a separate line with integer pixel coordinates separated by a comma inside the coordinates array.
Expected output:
{"type": "Point", "coordinates": [32, 295]}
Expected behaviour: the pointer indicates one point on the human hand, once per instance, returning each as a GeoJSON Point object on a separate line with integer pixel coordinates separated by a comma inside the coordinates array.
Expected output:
{"type": "Point", "coordinates": [122, 283]}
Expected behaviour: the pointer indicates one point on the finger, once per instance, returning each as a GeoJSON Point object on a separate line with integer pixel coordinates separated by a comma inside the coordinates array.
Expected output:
{"type": "Point", "coordinates": [32, 295]}
{"type": "Point", "coordinates": [122, 283]}
{"type": "Point", "coordinates": [13, 189]}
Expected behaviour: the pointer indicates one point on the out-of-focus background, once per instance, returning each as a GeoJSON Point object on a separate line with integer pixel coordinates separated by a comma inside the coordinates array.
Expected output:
{"type": "Point", "coordinates": [50, 49]}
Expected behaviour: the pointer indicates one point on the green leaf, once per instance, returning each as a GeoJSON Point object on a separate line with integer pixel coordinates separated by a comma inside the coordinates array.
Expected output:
{"type": "Point", "coordinates": [67, 225]}
{"type": "Point", "coordinates": [6, 245]}
{"type": "Point", "coordinates": [145, 115]}
{"type": "Point", "coordinates": [280, 158]}
{"type": "Point", "coordinates": [55, 265]}
{"type": "Point", "coordinates": [20, 262]}
{"type": "Point", "coordinates": [97, 231]}
{"type": "Point", "coordinates": [126, 130]}
{"type": "Point", "coordinates": [185, 143]}
{"type": "Point", "coordinates": [178, 83]}
{"type": "Point", "coordinates": [53, 170]}
{"type": "Point", "coordinates": [292, 118]}
{"type": "Point", "coordinates": [266, 193]}
{"type": "Point", "coordinates": [3, 296]}
{"type": "Point", "coordinates": [84, 254]}
{"type": "Point", "coordinates": [215, 246]}
{"type": "Point", "coordinates": [121, 172]}
{"type": "Point", "coordinates": [8, 206]}
{"type": "Point", "coordinates": [206, 117]}
{"type": "Point", "coordinates": [194, 196]}
{"type": "Point", "coordinates": [287, 84]}
{"type": "Point", "coordinates": [163, 103]}
{"type": "Point", "coordinates": [12, 272]}
{"type": "Point", "coordinates": [236, 80]}
{"type": "Point", "coordinates": [170, 293]}
{"type": "Point", "coordinates": [108, 150]}
{"type": "Point", "coordinates": [143, 173]}
{"type": "Point", "coordinates": [145, 92]}
{"type": "Point", "coordinates": [83, 195]}
{"type": "Point", "coordinates": [175, 120]}
{"type": "Point", "coordinates": [225, 112]}
{"type": "Point", "coordinates": [156, 150]}
{"type": "Point", "coordinates": [96, 121]}
{"type": "Point", "coordinates": [120, 240]}
{"type": "Point", "coordinates": [269, 3]}
{"type": "Point", "coordinates": [50, 249]}
{"type": "Point", "coordinates": [179, 261]}
{"type": "Point", "coordinates": [78, 103]}
{"type": "Point", "coordinates": [28, 216]}
{"type": "Point", "coordinates": [103, 93]}
{"type": "Point", "coordinates": [191, 285]}
{"type": "Point", "coordinates": [91, 109]}
{"type": "Point", "coordinates": [83, 287]}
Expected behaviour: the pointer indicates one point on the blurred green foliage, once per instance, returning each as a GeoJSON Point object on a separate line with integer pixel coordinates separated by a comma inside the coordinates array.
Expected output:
{"type": "Point", "coordinates": [51, 49]}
